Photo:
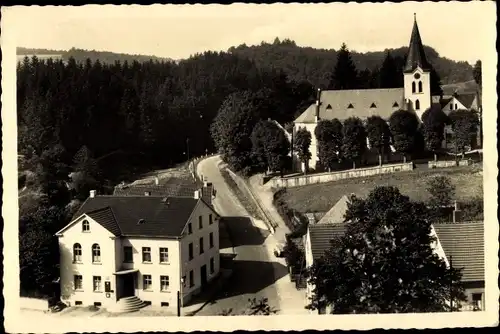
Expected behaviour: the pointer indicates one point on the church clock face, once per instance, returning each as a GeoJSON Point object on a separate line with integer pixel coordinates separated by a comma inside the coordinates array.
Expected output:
{"type": "Point", "coordinates": [417, 76]}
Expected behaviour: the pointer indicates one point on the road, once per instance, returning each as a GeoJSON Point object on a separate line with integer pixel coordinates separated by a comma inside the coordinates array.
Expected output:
{"type": "Point", "coordinates": [255, 270]}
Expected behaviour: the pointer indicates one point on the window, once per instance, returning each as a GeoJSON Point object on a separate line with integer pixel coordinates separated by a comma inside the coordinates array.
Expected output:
{"type": "Point", "coordinates": [78, 302]}
{"type": "Point", "coordinates": [212, 265]}
{"type": "Point", "coordinates": [85, 226]}
{"type": "Point", "coordinates": [164, 283]}
{"type": "Point", "coordinates": [96, 253]}
{"type": "Point", "coordinates": [78, 281]}
{"type": "Point", "coordinates": [477, 301]}
{"type": "Point", "coordinates": [190, 250]}
{"type": "Point", "coordinates": [211, 239]}
{"type": "Point", "coordinates": [456, 106]}
{"type": "Point", "coordinates": [191, 278]}
{"type": "Point", "coordinates": [202, 250]}
{"type": "Point", "coordinates": [127, 254]}
{"type": "Point", "coordinates": [350, 106]}
{"type": "Point", "coordinates": [163, 255]}
{"type": "Point", "coordinates": [200, 222]}
{"type": "Point", "coordinates": [413, 87]}
{"type": "Point", "coordinates": [190, 228]}
{"type": "Point", "coordinates": [420, 86]}
{"type": "Point", "coordinates": [164, 304]}
{"type": "Point", "coordinates": [97, 304]}
{"type": "Point", "coordinates": [395, 105]}
{"type": "Point", "coordinates": [146, 254]}
{"type": "Point", "coordinates": [147, 282]}
{"type": "Point", "coordinates": [373, 105]}
{"type": "Point", "coordinates": [210, 219]}
{"type": "Point", "coordinates": [77, 253]}
{"type": "Point", "coordinates": [417, 105]}
{"type": "Point", "coordinates": [328, 107]}
{"type": "Point", "coordinates": [97, 284]}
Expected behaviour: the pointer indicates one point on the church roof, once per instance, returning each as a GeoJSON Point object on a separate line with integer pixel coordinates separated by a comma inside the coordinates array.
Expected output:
{"type": "Point", "coordinates": [336, 213]}
{"type": "Point", "coordinates": [361, 103]}
{"type": "Point", "coordinates": [416, 54]}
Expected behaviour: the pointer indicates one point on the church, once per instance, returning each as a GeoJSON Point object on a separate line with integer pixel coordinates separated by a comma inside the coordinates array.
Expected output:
{"type": "Point", "coordinates": [363, 103]}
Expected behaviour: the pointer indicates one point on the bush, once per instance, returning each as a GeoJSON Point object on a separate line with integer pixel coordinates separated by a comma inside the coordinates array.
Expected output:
{"type": "Point", "coordinates": [472, 210]}
{"type": "Point", "coordinates": [441, 190]}
{"type": "Point", "coordinates": [294, 220]}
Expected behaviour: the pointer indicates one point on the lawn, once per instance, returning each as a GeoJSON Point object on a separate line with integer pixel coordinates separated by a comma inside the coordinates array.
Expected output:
{"type": "Point", "coordinates": [321, 197]}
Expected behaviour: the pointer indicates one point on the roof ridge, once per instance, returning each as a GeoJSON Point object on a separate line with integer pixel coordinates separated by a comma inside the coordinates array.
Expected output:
{"type": "Point", "coordinates": [116, 221]}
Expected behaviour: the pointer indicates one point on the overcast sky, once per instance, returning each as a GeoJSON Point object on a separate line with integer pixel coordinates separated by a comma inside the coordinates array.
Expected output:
{"type": "Point", "coordinates": [456, 30]}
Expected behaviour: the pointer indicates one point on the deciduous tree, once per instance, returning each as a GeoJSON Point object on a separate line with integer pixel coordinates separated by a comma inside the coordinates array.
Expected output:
{"type": "Point", "coordinates": [434, 122]}
{"type": "Point", "coordinates": [379, 135]}
{"type": "Point", "coordinates": [302, 144]}
{"type": "Point", "coordinates": [441, 189]}
{"type": "Point", "coordinates": [329, 142]}
{"type": "Point", "coordinates": [270, 147]}
{"type": "Point", "coordinates": [353, 140]}
{"type": "Point", "coordinates": [385, 262]}
{"type": "Point", "coordinates": [404, 126]}
{"type": "Point", "coordinates": [464, 124]}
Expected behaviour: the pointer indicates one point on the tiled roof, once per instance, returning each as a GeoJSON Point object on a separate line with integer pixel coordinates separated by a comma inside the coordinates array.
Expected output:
{"type": "Point", "coordinates": [361, 101]}
{"type": "Point", "coordinates": [336, 213]}
{"type": "Point", "coordinates": [416, 54]}
{"type": "Point", "coordinates": [466, 99]}
{"type": "Point", "coordinates": [320, 236]}
{"type": "Point", "coordinates": [179, 189]}
{"type": "Point", "coordinates": [161, 216]}
{"type": "Point", "coordinates": [464, 242]}
{"type": "Point", "coordinates": [444, 101]}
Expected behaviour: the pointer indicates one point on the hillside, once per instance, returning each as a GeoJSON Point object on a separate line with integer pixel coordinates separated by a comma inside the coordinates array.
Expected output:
{"type": "Point", "coordinates": [81, 55]}
{"type": "Point", "coordinates": [315, 65]}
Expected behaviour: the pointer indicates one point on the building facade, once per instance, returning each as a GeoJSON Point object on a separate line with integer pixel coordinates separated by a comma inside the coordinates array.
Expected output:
{"type": "Point", "coordinates": [159, 250]}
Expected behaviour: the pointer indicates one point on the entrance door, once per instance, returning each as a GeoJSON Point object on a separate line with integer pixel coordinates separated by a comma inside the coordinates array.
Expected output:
{"type": "Point", "coordinates": [203, 273]}
{"type": "Point", "coordinates": [128, 285]}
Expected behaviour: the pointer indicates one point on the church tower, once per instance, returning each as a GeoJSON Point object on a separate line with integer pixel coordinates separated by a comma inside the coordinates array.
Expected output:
{"type": "Point", "coordinates": [417, 75]}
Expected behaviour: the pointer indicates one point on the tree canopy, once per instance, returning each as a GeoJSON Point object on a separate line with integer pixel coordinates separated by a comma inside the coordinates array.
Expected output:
{"type": "Point", "coordinates": [384, 263]}
{"type": "Point", "coordinates": [302, 144]}
{"type": "Point", "coordinates": [345, 74]}
{"type": "Point", "coordinates": [353, 140]}
{"type": "Point", "coordinates": [434, 122]}
{"type": "Point", "coordinates": [270, 146]}
{"type": "Point", "coordinates": [329, 142]}
{"type": "Point", "coordinates": [465, 125]}
{"type": "Point", "coordinates": [404, 126]}
{"type": "Point", "coordinates": [379, 135]}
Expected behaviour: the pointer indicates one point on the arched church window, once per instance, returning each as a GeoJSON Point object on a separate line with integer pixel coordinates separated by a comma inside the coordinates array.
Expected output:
{"type": "Point", "coordinates": [420, 86]}
{"type": "Point", "coordinates": [413, 87]}
{"type": "Point", "coordinates": [417, 105]}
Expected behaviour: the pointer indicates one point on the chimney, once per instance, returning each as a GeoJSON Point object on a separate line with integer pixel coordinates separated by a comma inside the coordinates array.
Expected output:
{"type": "Point", "coordinates": [157, 181]}
{"type": "Point", "coordinates": [457, 213]}
{"type": "Point", "coordinates": [92, 193]}
{"type": "Point", "coordinates": [147, 193]}
{"type": "Point", "coordinates": [318, 103]}
{"type": "Point", "coordinates": [207, 192]}
{"type": "Point", "coordinates": [197, 194]}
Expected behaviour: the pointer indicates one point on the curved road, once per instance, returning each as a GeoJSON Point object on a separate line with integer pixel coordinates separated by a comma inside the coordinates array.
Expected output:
{"type": "Point", "coordinates": [254, 269]}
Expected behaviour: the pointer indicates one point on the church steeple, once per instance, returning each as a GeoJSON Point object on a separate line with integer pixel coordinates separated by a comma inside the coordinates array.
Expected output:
{"type": "Point", "coordinates": [416, 54]}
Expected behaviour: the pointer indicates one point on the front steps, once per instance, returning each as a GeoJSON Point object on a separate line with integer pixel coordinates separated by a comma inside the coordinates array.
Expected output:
{"type": "Point", "coordinates": [127, 304]}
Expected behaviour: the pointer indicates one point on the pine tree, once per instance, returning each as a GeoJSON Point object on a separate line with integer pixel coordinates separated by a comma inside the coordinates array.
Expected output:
{"type": "Point", "coordinates": [345, 75]}
{"type": "Point", "coordinates": [389, 74]}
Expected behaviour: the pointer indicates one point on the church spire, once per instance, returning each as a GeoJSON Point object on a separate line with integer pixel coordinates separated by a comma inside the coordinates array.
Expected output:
{"type": "Point", "coordinates": [416, 54]}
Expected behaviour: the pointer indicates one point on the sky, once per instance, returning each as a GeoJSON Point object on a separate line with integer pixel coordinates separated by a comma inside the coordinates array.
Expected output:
{"type": "Point", "coordinates": [456, 31]}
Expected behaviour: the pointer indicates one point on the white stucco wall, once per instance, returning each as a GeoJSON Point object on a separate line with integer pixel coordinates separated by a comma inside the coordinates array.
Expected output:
{"type": "Point", "coordinates": [423, 97]}
{"type": "Point", "coordinates": [86, 268]}
{"type": "Point", "coordinates": [199, 259]}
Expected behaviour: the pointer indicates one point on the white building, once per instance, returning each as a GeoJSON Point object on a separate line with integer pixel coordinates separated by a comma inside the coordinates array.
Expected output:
{"type": "Point", "coordinates": [123, 252]}
{"type": "Point", "coordinates": [362, 103]}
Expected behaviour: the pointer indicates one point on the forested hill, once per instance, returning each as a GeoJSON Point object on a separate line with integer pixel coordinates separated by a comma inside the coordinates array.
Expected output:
{"type": "Point", "coordinates": [315, 65]}
{"type": "Point", "coordinates": [81, 55]}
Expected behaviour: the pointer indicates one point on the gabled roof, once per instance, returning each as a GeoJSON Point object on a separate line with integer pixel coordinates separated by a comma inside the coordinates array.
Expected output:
{"type": "Point", "coordinates": [466, 99]}
{"type": "Point", "coordinates": [361, 101]}
{"type": "Point", "coordinates": [320, 236]}
{"type": "Point", "coordinates": [163, 217]}
{"type": "Point", "coordinates": [416, 54]}
{"type": "Point", "coordinates": [336, 213]}
{"type": "Point", "coordinates": [464, 243]}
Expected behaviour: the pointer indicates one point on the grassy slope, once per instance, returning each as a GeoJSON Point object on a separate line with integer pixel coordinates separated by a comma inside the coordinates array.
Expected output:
{"type": "Point", "coordinates": [321, 197]}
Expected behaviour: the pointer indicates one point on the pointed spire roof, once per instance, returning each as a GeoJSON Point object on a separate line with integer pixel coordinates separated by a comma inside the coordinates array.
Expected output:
{"type": "Point", "coordinates": [416, 54]}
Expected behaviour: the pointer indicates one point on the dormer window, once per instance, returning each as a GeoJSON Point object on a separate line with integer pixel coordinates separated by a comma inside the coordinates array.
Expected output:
{"type": "Point", "coordinates": [373, 105]}
{"type": "Point", "coordinates": [328, 107]}
{"type": "Point", "coordinates": [395, 105]}
{"type": "Point", "coordinates": [350, 106]}
{"type": "Point", "coordinates": [85, 226]}
{"type": "Point", "coordinates": [141, 221]}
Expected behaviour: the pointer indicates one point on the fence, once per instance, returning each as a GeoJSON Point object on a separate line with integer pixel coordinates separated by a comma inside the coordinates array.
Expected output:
{"type": "Point", "coordinates": [297, 181]}
{"type": "Point", "coordinates": [450, 163]}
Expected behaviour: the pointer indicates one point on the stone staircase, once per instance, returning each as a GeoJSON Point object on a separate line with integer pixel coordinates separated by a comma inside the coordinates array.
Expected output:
{"type": "Point", "coordinates": [127, 304]}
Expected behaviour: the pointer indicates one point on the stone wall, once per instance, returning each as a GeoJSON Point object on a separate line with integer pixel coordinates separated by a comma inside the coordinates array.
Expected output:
{"type": "Point", "coordinates": [303, 180]}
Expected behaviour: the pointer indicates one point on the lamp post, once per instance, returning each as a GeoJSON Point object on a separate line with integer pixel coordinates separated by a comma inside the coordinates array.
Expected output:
{"type": "Point", "coordinates": [180, 301]}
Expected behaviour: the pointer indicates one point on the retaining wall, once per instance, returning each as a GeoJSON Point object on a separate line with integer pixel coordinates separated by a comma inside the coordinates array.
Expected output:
{"type": "Point", "coordinates": [303, 180]}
